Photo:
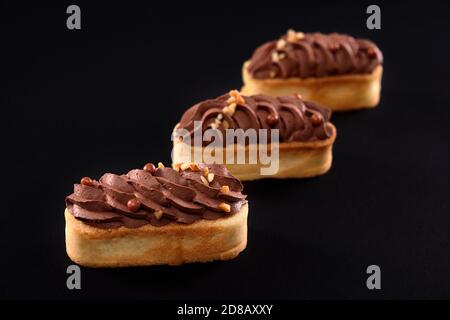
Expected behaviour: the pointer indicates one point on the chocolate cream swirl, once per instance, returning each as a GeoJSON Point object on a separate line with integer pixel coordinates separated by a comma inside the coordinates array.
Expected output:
{"type": "Point", "coordinates": [296, 119]}
{"type": "Point", "coordinates": [182, 197]}
{"type": "Point", "coordinates": [298, 55]}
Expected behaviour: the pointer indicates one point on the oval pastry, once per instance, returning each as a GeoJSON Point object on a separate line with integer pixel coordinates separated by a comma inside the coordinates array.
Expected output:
{"type": "Point", "coordinates": [157, 216]}
{"type": "Point", "coordinates": [335, 70]}
{"type": "Point", "coordinates": [303, 130]}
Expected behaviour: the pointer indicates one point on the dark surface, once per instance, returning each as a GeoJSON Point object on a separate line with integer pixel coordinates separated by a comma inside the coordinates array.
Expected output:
{"type": "Point", "coordinates": [105, 99]}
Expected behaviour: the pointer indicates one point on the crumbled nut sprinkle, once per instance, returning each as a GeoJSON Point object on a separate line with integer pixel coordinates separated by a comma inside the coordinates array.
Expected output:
{"type": "Point", "coordinates": [228, 111]}
{"type": "Point", "coordinates": [224, 189]}
{"type": "Point", "coordinates": [158, 214]}
{"type": "Point", "coordinates": [237, 97]}
{"type": "Point", "coordinates": [185, 166]}
{"type": "Point", "coordinates": [194, 167]}
{"type": "Point", "coordinates": [281, 44]}
{"type": "Point", "coordinates": [225, 207]}
{"type": "Point", "coordinates": [275, 57]}
{"type": "Point", "coordinates": [293, 36]}
{"type": "Point", "coordinates": [205, 182]}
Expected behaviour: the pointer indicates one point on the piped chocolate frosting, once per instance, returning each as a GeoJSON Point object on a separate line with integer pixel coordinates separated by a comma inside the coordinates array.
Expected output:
{"type": "Point", "coordinates": [157, 197]}
{"type": "Point", "coordinates": [296, 119]}
{"type": "Point", "coordinates": [299, 55]}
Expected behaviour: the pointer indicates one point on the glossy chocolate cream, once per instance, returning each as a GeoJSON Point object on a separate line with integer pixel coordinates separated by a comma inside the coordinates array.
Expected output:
{"type": "Point", "coordinates": [157, 196]}
{"type": "Point", "coordinates": [303, 55]}
{"type": "Point", "coordinates": [296, 119]}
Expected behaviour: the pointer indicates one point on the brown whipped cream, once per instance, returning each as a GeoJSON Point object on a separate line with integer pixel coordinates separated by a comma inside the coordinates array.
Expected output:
{"type": "Point", "coordinates": [296, 119]}
{"type": "Point", "coordinates": [298, 55]}
{"type": "Point", "coordinates": [157, 196]}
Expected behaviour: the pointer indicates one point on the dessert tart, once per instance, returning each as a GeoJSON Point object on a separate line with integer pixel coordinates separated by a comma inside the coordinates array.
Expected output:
{"type": "Point", "coordinates": [335, 70]}
{"type": "Point", "coordinates": [157, 216]}
{"type": "Point", "coordinates": [303, 149]}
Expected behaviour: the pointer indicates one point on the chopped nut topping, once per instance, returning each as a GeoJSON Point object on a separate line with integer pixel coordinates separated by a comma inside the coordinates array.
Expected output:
{"type": "Point", "coordinates": [210, 177]}
{"type": "Point", "coordinates": [293, 36]}
{"type": "Point", "coordinates": [194, 167]}
{"type": "Point", "coordinates": [205, 171]}
{"type": "Point", "coordinates": [214, 125]}
{"type": "Point", "coordinates": [158, 214]}
{"type": "Point", "coordinates": [281, 44]}
{"type": "Point", "coordinates": [225, 189]}
{"type": "Point", "coordinates": [237, 97]}
{"type": "Point", "coordinates": [205, 182]}
{"type": "Point", "coordinates": [275, 57]}
{"type": "Point", "coordinates": [231, 100]}
{"type": "Point", "coordinates": [228, 111]}
{"type": "Point", "coordinates": [176, 166]}
{"type": "Point", "coordinates": [225, 207]}
{"type": "Point", "coordinates": [160, 165]}
{"type": "Point", "coordinates": [184, 166]}
{"type": "Point", "coordinates": [217, 121]}
{"type": "Point", "coordinates": [225, 124]}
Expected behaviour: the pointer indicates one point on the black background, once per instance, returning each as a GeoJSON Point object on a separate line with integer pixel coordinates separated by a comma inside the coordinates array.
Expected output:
{"type": "Point", "coordinates": [105, 99]}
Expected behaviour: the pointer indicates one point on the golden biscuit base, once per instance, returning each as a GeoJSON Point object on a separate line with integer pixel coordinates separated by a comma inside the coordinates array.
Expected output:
{"type": "Point", "coordinates": [296, 159]}
{"type": "Point", "coordinates": [339, 93]}
{"type": "Point", "coordinates": [172, 244]}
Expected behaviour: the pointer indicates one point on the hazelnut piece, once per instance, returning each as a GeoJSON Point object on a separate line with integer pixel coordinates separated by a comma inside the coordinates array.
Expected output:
{"type": "Point", "coordinates": [272, 119]}
{"type": "Point", "coordinates": [134, 204]}
{"type": "Point", "coordinates": [86, 181]}
{"type": "Point", "coordinates": [371, 52]}
{"type": "Point", "coordinates": [316, 119]}
{"type": "Point", "coordinates": [150, 167]}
